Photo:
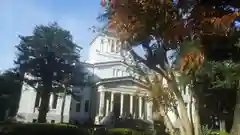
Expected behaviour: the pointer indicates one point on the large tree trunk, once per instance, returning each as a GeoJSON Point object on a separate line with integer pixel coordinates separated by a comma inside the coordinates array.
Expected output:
{"type": "Point", "coordinates": [191, 111]}
{"type": "Point", "coordinates": [195, 110]}
{"type": "Point", "coordinates": [196, 117]}
{"type": "Point", "coordinates": [182, 108]}
{"type": "Point", "coordinates": [166, 120]}
{"type": "Point", "coordinates": [44, 106]}
{"type": "Point", "coordinates": [236, 119]}
{"type": "Point", "coordinates": [63, 106]}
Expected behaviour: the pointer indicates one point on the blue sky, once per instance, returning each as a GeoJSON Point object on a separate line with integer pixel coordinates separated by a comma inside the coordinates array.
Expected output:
{"type": "Point", "coordinates": [18, 17]}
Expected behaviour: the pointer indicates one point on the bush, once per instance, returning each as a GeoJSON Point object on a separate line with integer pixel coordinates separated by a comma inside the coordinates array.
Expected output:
{"type": "Point", "coordinates": [218, 132]}
{"type": "Point", "coordinates": [123, 131]}
{"type": "Point", "coordinates": [44, 129]}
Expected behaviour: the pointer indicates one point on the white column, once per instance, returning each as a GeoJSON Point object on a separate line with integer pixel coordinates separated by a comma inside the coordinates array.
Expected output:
{"type": "Point", "coordinates": [140, 106]}
{"type": "Point", "coordinates": [188, 109]}
{"type": "Point", "coordinates": [112, 102]}
{"type": "Point", "coordinates": [149, 110]}
{"type": "Point", "coordinates": [107, 106]}
{"type": "Point", "coordinates": [51, 101]}
{"type": "Point", "coordinates": [121, 106]}
{"type": "Point", "coordinates": [131, 104]}
{"type": "Point", "coordinates": [101, 103]}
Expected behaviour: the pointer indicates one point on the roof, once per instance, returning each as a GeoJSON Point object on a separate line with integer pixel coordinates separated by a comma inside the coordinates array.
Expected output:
{"type": "Point", "coordinates": [104, 33]}
{"type": "Point", "coordinates": [120, 79]}
{"type": "Point", "coordinates": [108, 63]}
{"type": "Point", "coordinates": [102, 63]}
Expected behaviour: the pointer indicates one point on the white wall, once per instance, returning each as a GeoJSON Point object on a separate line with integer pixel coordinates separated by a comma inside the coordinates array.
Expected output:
{"type": "Point", "coordinates": [111, 71]}
{"type": "Point", "coordinates": [98, 54]}
{"type": "Point", "coordinates": [84, 94]}
{"type": "Point", "coordinates": [27, 100]}
{"type": "Point", "coordinates": [28, 111]}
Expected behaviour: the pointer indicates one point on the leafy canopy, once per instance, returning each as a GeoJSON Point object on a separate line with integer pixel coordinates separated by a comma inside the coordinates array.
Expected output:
{"type": "Point", "coordinates": [48, 55]}
{"type": "Point", "coordinates": [173, 22]}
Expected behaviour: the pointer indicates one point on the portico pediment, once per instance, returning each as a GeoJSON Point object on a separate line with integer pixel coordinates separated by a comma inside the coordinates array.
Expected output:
{"type": "Point", "coordinates": [123, 85]}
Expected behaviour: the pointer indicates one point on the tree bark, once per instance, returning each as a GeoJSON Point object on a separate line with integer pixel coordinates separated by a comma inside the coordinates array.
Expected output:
{"type": "Point", "coordinates": [182, 108]}
{"type": "Point", "coordinates": [195, 111]}
{"type": "Point", "coordinates": [181, 130]}
{"type": "Point", "coordinates": [236, 118]}
{"type": "Point", "coordinates": [63, 106]}
{"type": "Point", "coordinates": [196, 124]}
{"type": "Point", "coordinates": [166, 120]}
{"type": "Point", "coordinates": [191, 111]}
{"type": "Point", "coordinates": [44, 106]}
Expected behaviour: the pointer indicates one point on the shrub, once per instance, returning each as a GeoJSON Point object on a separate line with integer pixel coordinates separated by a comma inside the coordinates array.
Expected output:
{"type": "Point", "coordinates": [123, 131]}
{"type": "Point", "coordinates": [43, 129]}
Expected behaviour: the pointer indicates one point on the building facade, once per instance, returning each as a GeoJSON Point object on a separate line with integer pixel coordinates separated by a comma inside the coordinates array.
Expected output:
{"type": "Point", "coordinates": [112, 90]}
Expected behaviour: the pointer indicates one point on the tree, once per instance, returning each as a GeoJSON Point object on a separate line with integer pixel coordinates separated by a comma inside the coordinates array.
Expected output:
{"type": "Point", "coordinates": [70, 81]}
{"type": "Point", "coordinates": [162, 98]}
{"type": "Point", "coordinates": [224, 75]}
{"type": "Point", "coordinates": [10, 86]}
{"type": "Point", "coordinates": [195, 25]}
{"type": "Point", "coordinates": [47, 56]}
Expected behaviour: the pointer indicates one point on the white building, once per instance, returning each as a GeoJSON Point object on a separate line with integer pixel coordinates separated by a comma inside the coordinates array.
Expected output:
{"type": "Point", "coordinates": [114, 90]}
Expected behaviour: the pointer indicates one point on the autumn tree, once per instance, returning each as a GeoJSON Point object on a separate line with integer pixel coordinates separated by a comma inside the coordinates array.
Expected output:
{"type": "Point", "coordinates": [191, 25]}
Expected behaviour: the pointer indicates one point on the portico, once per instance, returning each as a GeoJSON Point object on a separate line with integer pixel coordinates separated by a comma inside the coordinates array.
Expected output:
{"type": "Point", "coordinates": [127, 101]}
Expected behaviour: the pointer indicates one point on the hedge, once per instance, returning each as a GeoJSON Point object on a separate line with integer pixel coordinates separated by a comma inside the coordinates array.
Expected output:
{"type": "Point", "coordinates": [124, 131]}
{"type": "Point", "coordinates": [62, 129]}
{"type": "Point", "coordinates": [43, 129]}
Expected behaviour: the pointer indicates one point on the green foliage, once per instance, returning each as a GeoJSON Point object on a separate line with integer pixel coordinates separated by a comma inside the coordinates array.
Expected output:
{"type": "Point", "coordinates": [123, 131]}
{"type": "Point", "coordinates": [206, 131]}
{"type": "Point", "coordinates": [49, 55]}
{"type": "Point", "coordinates": [57, 129]}
{"type": "Point", "coordinates": [10, 90]}
{"type": "Point", "coordinates": [66, 124]}
{"type": "Point", "coordinates": [216, 74]}
{"type": "Point", "coordinates": [217, 132]}
{"type": "Point", "coordinates": [43, 129]}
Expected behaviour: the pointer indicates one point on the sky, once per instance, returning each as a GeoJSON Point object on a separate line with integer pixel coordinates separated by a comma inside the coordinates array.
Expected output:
{"type": "Point", "coordinates": [19, 17]}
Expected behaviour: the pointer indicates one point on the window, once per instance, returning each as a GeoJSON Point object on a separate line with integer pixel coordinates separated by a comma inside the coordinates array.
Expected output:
{"type": "Point", "coordinates": [34, 121]}
{"type": "Point", "coordinates": [55, 99]}
{"type": "Point", "coordinates": [109, 41]}
{"type": "Point", "coordinates": [112, 46]}
{"type": "Point", "coordinates": [114, 72]}
{"type": "Point", "coordinates": [101, 45]}
{"type": "Point", "coordinates": [118, 72]}
{"type": "Point", "coordinates": [85, 77]}
{"type": "Point", "coordinates": [52, 121]}
{"type": "Point", "coordinates": [78, 106]}
{"type": "Point", "coordinates": [122, 73]}
{"type": "Point", "coordinates": [86, 105]}
{"type": "Point", "coordinates": [37, 100]}
{"type": "Point", "coordinates": [118, 46]}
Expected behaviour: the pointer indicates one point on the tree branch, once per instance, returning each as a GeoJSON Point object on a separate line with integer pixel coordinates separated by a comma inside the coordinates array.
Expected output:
{"type": "Point", "coordinates": [145, 62]}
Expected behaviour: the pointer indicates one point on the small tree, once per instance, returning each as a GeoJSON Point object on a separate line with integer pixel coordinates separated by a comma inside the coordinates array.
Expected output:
{"type": "Point", "coordinates": [10, 91]}
{"type": "Point", "coordinates": [47, 55]}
